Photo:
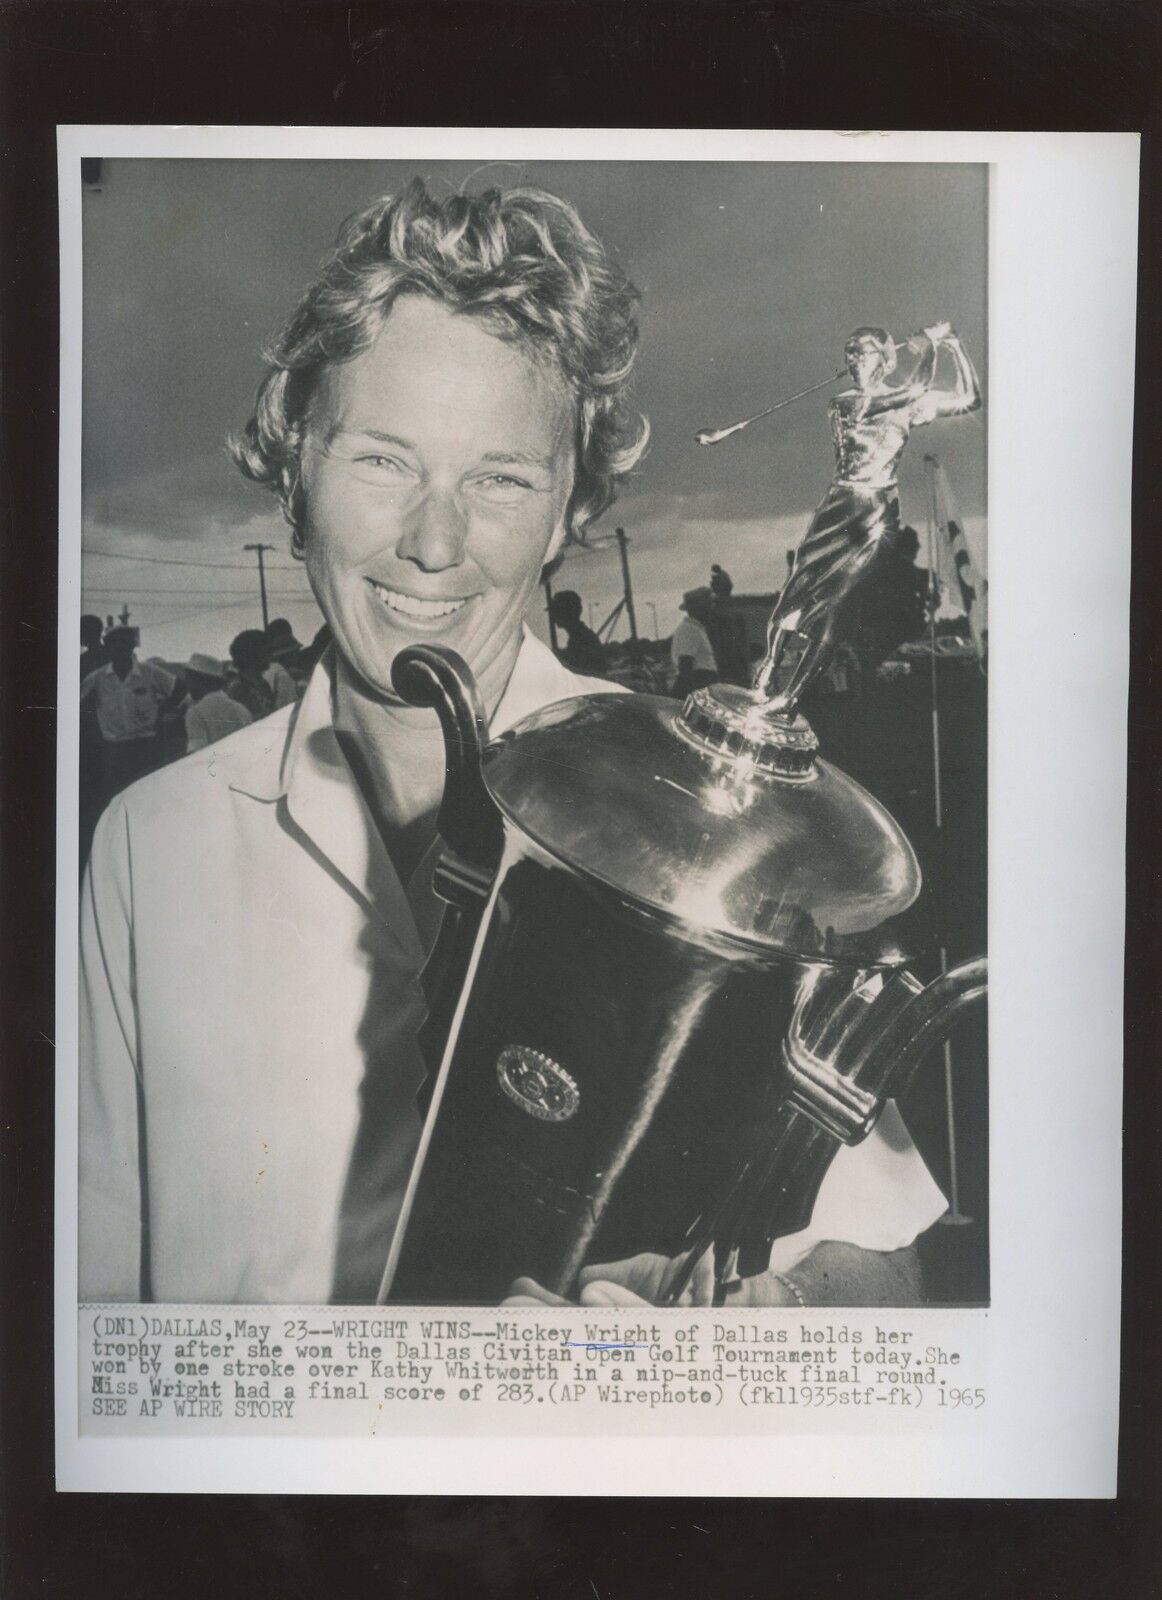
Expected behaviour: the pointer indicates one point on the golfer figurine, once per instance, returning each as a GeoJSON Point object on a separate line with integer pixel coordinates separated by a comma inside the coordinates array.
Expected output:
{"type": "Point", "coordinates": [856, 526]}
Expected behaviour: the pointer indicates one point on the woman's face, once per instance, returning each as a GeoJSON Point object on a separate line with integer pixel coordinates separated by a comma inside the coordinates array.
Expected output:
{"type": "Point", "coordinates": [437, 468]}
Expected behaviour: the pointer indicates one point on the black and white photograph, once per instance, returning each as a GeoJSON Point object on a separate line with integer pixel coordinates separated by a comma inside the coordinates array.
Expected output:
{"type": "Point", "coordinates": [562, 816]}
{"type": "Point", "coordinates": [580, 1010]}
{"type": "Point", "coordinates": [533, 743]}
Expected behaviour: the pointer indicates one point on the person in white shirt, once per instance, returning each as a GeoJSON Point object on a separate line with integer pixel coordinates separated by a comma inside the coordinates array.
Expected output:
{"type": "Point", "coordinates": [129, 697]}
{"type": "Point", "coordinates": [446, 405]}
{"type": "Point", "coordinates": [215, 714]}
{"type": "Point", "coordinates": [282, 685]}
{"type": "Point", "coordinates": [285, 651]}
{"type": "Point", "coordinates": [285, 689]}
{"type": "Point", "coordinates": [690, 648]}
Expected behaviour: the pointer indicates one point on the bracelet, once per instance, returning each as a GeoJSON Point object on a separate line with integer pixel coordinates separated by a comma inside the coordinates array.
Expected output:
{"type": "Point", "coordinates": [793, 1288]}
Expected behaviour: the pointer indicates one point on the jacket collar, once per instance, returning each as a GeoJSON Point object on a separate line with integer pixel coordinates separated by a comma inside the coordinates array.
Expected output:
{"type": "Point", "coordinates": [538, 679]}
{"type": "Point", "coordinates": [324, 801]}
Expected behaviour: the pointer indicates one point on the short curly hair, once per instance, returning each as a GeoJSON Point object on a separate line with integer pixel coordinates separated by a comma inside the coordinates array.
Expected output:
{"type": "Point", "coordinates": [523, 264]}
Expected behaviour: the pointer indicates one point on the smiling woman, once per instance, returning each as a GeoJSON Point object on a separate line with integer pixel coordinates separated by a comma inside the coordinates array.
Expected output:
{"type": "Point", "coordinates": [446, 405]}
{"type": "Point", "coordinates": [436, 470]}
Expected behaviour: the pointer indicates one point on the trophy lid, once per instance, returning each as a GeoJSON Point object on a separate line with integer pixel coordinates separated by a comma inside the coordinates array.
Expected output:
{"type": "Point", "coordinates": [717, 817]}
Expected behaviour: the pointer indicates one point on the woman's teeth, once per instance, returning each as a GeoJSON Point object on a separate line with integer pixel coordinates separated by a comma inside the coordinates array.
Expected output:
{"type": "Point", "coordinates": [411, 606]}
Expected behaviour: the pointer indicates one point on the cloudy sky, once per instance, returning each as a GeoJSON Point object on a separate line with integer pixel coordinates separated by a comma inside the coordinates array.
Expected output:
{"type": "Point", "coordinates": [752, 275]}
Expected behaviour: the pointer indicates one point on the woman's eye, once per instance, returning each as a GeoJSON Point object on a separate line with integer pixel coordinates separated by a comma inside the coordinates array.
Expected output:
{"type": "Point", "coordinates": [504, 480]}
{"type": "Point", "coordinates": [380, 468]}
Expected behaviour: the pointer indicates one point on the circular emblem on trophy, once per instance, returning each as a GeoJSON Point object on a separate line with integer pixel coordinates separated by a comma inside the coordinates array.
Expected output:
{"type": "Point", "coordinates": [534, 1082]}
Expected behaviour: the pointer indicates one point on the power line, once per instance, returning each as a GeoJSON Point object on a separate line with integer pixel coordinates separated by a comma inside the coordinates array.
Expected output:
{"type": "Point", "coordinates": [195, 594]}
{"type": "Point", "coordinates": [167, 622]}
{"type": "Point", "coordinates": [173, 561]}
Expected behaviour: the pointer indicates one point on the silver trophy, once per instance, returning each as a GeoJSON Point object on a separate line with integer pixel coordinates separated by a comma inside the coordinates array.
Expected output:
{"type": "Point", "coordinates": [671, 978]}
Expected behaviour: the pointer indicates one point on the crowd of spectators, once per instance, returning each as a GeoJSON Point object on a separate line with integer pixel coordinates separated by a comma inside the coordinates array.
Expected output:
{"type": "Point", "coordinates": [138, 715]}
{"type": "Point", "coordinates": [711, 643]}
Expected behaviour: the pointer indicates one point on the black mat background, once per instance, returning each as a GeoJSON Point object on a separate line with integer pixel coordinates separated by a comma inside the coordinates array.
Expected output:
{"type": "Point", "coordinates": [1053, 64]}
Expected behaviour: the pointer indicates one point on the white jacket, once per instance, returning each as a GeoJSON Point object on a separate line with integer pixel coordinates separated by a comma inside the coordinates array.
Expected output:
{"type": "Point", "coordinates": [249, 983]}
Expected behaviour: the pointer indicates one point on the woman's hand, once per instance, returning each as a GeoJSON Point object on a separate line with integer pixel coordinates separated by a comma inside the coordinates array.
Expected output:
{"type": "Point", "coordinates": [644, 1280]}
{"type": "Point", "coordinates": [831, 1274]}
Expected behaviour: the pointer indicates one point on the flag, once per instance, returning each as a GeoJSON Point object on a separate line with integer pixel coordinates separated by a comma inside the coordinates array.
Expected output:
{"type": "Point", "coordinates": [963, 585]}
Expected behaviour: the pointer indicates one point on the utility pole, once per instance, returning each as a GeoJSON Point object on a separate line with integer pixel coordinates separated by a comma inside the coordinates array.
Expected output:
{"type": "Point", "coordinates": [259, 548]}
{"type": "Point", "coordinates": [622, 542]}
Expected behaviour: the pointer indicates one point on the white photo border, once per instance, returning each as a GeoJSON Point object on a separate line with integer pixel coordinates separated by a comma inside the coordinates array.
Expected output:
{"type": "Point", "coordinates": [1063, 273]}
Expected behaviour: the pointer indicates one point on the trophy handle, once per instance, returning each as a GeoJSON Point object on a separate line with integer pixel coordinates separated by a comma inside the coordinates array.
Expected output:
{"type": "Point", "coordinates": [851, 1046]}
{"type": "Point", "coordinates": [925, 1023]}
{"type": "Point", "coordinates": [432, 675]}
{"type": "Point", "coordinates": [469, 825]}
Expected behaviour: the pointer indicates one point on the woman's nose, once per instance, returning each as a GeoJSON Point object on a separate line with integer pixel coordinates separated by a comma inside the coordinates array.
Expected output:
{"type": "Point", "coordinates": [435, 533]}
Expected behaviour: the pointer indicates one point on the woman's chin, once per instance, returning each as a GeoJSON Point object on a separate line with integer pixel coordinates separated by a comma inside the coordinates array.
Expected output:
{"type": "Point", "coordinates": [488, 659]}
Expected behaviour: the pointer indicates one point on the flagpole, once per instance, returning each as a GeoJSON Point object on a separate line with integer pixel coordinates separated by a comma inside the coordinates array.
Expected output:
{"type": "Point", "coordinates": [953, 1217]}
{"type": "Point", "coordinates": [933, 602]}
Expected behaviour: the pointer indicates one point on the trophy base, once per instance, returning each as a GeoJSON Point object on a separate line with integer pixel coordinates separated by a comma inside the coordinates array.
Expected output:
{"type": "Point", "coordinates": [742, 726]}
